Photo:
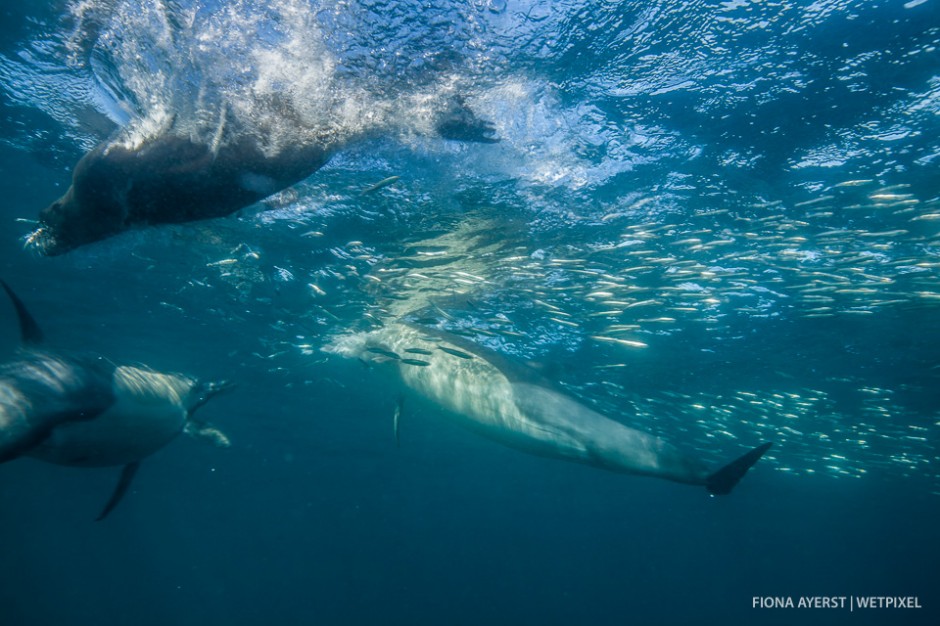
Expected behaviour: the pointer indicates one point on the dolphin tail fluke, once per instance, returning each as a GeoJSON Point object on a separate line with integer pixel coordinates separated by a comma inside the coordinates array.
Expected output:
{"type": "Point", "coordinates": [127, 475]}
{"type": "Point", "coordinates": [724, 480]}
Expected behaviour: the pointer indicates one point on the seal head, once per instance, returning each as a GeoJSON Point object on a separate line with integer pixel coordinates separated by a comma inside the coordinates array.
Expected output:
{"type": "Point", "coordinates": [92, 209]}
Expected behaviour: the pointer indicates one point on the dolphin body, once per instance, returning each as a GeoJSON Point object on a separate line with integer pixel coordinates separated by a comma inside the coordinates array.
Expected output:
{"type": "Point", "coordinates": [82, 410]}
{"type": "Point", "coordinates": [511, 404]}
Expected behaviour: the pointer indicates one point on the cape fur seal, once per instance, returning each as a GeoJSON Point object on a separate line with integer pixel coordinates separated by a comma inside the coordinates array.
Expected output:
{"type": "Point", "coordinates": [171, 178]}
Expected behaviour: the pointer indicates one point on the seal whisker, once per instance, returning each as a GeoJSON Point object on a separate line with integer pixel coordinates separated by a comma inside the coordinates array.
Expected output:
{"type": "Point", "coordinates": [37, 241]}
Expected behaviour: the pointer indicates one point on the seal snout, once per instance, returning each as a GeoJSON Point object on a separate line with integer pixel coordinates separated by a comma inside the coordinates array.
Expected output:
{"type": "Point", "coordinates": [67, 224]}
{"type": "Point", "coordinates": [53, 216]}
{"type": "Point", "coordinates": [45, 239]}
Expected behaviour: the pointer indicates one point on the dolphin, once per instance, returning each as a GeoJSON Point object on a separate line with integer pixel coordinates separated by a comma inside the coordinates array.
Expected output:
{"type": "Point", "coordinates": [510, 403]}
{"type": "Point", "coordinates": [83, 410]}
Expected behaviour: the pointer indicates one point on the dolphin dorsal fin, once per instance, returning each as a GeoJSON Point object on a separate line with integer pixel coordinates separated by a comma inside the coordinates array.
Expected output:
{"type": "Point", "coordinates": [30, 333]}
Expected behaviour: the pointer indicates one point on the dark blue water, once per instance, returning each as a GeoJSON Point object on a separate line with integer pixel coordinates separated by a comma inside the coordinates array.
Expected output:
{"type": "Point", "coordinates": [717, 222]}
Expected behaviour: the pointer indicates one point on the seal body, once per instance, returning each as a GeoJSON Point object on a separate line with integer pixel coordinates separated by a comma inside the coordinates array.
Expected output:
{"type": "Point", "coordinates": [172, 177]}
{"type": "Point", "coordinates": [166, 179]}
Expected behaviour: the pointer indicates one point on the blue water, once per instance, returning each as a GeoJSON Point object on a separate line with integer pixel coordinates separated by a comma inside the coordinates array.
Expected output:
{"type": "Point", "coordinates": [714, 221]}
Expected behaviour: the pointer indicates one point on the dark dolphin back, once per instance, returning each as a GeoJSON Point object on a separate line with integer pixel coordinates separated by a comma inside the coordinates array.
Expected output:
{"type": "Point", "coordinates": [57, 389]}
{"type": "Point", "coordinates": [47, 389]}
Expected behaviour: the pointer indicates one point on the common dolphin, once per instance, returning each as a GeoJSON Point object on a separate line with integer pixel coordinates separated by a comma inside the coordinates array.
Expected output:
{"type": "Point", "coordinates": [510, 403]}
{"type": "Point", "coordinates": [85, 411]}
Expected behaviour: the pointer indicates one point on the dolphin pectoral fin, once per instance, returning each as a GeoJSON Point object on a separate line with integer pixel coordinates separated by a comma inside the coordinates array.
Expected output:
{"type": "Point", "coordinates": [127, 475]}
{"type": "Point", "coordinates": [724, 480]}
{"type": "Point", "coordinates": [30, 333]}
{"type": "Point", "coordinates": [399, 406]}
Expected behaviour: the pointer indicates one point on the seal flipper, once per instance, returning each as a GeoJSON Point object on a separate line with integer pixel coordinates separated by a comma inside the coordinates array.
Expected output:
{"type": "Point", "coordinates": [458, 122]}
{"type": "Point", "coordinates": [30, 332]}
{"type": "Point", "coordinates": [724, 480]}
{"type": "Point", "coordinates": [127, 475]}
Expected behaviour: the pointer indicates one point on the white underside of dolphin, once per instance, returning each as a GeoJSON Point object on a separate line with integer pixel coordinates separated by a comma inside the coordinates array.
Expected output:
{"type": "Point", "coordinates": [511, 404]}
{"type": "Point", "coordinates": [148, 411]}
{"type": "Point", "coordinates": [84, 411]}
